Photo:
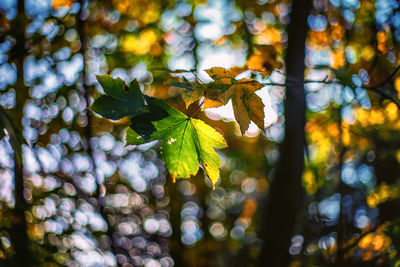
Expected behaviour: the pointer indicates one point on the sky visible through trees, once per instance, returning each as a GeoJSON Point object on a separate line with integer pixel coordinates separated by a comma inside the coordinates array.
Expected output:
{"type": "Point", "coordinates": [317, 185]}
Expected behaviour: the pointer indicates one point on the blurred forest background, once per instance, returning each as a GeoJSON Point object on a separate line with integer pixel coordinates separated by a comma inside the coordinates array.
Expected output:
{"type": "Point", "coordinates": [73, 194]}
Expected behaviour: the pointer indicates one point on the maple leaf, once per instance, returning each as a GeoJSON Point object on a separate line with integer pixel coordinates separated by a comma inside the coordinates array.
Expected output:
{"type": "Point", "coordinates": [247, 106]}
{"type": "Point", "coordinates": [185, 143]}
{"type": "Point", "coordinates": [119, 100]}
{"type": "Point", "coordinates": [223, 80]}
{"type": "Point", "coordinates": [264, 60]}
{"type": "Point", "coordinates": [191, 92]}
{"type": "Point", "coordinates": [237, 70]}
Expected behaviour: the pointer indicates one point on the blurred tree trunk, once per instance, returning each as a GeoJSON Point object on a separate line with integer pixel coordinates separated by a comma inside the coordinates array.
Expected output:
{"type": "Point", "coordinates": [285, 194]}
{"type": "Point", "coordinates": [100, 192]}
{"type": "Point", "coordinates": [18, 231]}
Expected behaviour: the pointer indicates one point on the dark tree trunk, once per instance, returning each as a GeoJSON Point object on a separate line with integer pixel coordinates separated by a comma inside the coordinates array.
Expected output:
{"type": "Point", "coordinates": [285, 194]}
{"type": "Point", "coordinates": [18, 231]}
{"type": "Point", "coordinates": [100, 189]}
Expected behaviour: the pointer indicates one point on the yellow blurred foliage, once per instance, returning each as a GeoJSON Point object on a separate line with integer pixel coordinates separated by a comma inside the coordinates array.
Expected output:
{"type": "Point", "coordinates": [319, 37]}
{"type": "Point", "coordinates": [61, 3]}
{"type": "Point", "coordinates": [309, 182]}
{"type": "Point", "coordinates": [346, 137]}
{"type": "Point", "coordinates": [398, 155]}
{"type": "Point", "coordinates": [337, 32]}
{"type": "Point", "coordinates": [382, 38]}
{"type": "Point", "coordinates": [373, 116]}
{"type": "Point", "coordinates": [391, 111]}
{"type": "Point", "coordinates": [333, 130]}
{"type": "Point", "coordinates": [374, 242]}
{"type": "Point", "coordinates": [142, 44]}
{"type": "Point", "coordinates": [36, 232]}
{"type": "Point", "coordinates": [264, 59]}
{"type": "Point", "coordinates": [367, 53]}
{"type": "Point", "coordinates": [269, 35]}
{"type": "Point", "coordinates": [338, 59]}
{"type": "Point", "coordinates": [381, 194]}
{"type": "Point", "coordinates": [144, 11]}
{"type": "Point", "coordinates": [322, 139]}
{"type": "Point", "coordinates": [397, 86]}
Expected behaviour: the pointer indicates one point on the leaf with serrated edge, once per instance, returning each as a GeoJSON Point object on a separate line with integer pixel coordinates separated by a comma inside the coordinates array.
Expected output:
{"type": "Point", "coordinates": [185, 142]}
{"type": "Point", "coordinates": [237, 70]}
{"type": "Point", "coordinates": [246, 105]}
{"type": "Point", "coordinates": [119, 100]}
{"type": "Point", "coordinates": [192, 95]}
{"type": "Point", "coordinates": [207, 139]}
{"type": "Point", "coordinates": [218, 73]}
{"type": "Point", "coordinates": [241, 113]}
{"type": "Point", "coordinates": [255, 107]}
{"type": "Point", "coordinates": [190, 92]}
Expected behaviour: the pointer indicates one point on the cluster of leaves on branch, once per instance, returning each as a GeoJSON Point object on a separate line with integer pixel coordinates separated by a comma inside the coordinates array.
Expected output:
{"type": "Point", "coordinates": [186, 142]}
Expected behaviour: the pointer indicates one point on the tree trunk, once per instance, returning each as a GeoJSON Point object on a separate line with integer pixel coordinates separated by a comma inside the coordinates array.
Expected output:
{"type": "Point", "coordinates": [100, 187]}
{"type": "Point", "coordinates": [18, 231]}
{"type": "Point", "coordinates": [285, 194]}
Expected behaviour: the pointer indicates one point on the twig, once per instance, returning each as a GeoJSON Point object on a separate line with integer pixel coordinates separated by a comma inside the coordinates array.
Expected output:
{"type": "Point", "coordinates": [341, 224]}
{"type": "Point", "coordinates": [388, 78]}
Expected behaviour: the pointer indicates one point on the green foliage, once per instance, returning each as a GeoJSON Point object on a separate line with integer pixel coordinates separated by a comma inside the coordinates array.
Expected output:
{"type": "Point", "coordinates": [185, 141]}
{"type": "Point", "coordinates": [343, 76]}
{"type": "Point", "coordinates": [120, 100]}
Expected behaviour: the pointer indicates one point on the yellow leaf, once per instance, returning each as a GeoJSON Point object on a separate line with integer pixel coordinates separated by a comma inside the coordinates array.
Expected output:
{"type": "Point", "coordinates": [208, 103]}
{"type": "Point", "coordinates": [237, 70]}
{"type": "Point", "coordinates": [218, 73]}
{"type": "Point", "coordinates": [223, 80]}
{"type": "Point", "coordinates": [241, 113]}
{"type": "Point", "coordinates": [208, 139]}
{"type": "Point", "coordinates": [248, 85]}
{"type": "Point", "coordinates": [190, 97]}
{"type": "Point", "coordinates": [256, 109]}
{"type": "Point", "coordinates": [246, 104]}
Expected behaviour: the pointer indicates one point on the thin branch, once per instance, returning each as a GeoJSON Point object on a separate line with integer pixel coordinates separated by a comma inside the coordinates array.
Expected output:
{"type": "Point", "coordinates": [388, 79]}
{"type": "Point", "coordinates": [341, 186]}
{"type": "Point", "coordinates": [375, 89]}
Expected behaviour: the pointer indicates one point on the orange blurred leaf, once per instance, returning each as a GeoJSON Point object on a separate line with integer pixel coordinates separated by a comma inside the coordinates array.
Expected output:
{"type": "Point", "coordinates": [61, 3]}
{"type": "Point", "coordinates": [264, 60]}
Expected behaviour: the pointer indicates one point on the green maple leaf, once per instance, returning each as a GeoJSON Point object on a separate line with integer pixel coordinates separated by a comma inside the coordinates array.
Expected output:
{"type": "Point", "coordinates": [185, 142]}
{"type": "Point", "coordinates": [119, 100]}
